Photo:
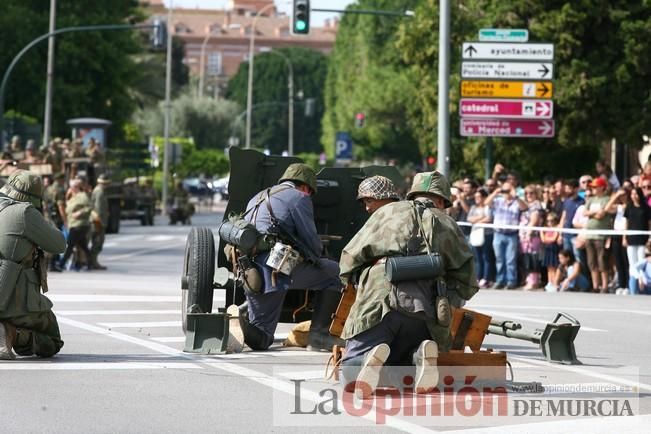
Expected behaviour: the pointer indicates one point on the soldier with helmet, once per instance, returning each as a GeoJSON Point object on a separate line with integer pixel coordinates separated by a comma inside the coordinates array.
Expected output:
{"type": "Point", "coordinates": [284, 215]}
{"type": "Point", "coordinates": [376, 192]}
{"type": "Point", "coordinates": [383, 327]}
{"type": "Point", "coordinates": [27, 324]}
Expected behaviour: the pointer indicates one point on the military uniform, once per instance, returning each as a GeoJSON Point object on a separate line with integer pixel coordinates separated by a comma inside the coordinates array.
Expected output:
{"type": "Point", "coordinates": [101, 210]}
{"type": "Point", "coordinates": [373, 323]}
{"type": "Point", "coordinates": [78, 211]}
{"type": "Point", "coordinates": [293, 210]}
{"type": "Point", "coordinates": [22, 230]}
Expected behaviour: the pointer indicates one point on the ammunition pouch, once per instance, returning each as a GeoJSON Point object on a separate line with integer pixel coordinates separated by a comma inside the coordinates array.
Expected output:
{"type": "Point", "coordinates": [420, 267]}
{"type": "Point", "coordinates": [9, 274]}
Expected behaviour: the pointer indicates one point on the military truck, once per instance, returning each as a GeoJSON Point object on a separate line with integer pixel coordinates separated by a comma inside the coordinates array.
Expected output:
{"type": "Point", "coordinates": [337, 212]}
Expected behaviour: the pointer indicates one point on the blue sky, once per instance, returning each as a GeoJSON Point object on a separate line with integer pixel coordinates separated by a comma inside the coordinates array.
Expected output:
{"type": "Point", "coordinates": [283, 5]}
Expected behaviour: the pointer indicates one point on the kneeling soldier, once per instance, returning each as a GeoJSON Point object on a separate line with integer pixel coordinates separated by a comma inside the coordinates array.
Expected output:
{"type": "Point", "coordinates": [27, 323]}
{"type": "Point", "coordinates": [397, 322]}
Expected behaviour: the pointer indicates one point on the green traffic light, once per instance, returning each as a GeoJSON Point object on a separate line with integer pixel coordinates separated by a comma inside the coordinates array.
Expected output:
{"type": "Point", "coordinates": [300, 25]}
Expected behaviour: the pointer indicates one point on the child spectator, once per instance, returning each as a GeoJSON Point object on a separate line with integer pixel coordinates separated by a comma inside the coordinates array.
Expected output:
{"type": "Point", "coordinates": [551, 241]}
{"type": "Point", "coordinates": [568, 274]}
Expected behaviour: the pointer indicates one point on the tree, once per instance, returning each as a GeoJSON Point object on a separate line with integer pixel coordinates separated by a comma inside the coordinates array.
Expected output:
{"type": "Point", "coordinates": [270, 98]}
{"type": "Point", "coordinates": [602, 69]}
{"type": "Point", "coordinates": [93, 70]}
{"type": "Point", "coordinates": [208, 121]}
{"type": "Point", "coordinates": [366, 75]}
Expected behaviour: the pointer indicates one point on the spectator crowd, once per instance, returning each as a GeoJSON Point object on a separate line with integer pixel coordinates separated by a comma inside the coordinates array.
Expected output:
{"type": "Point", "coordinates": [585, 234]}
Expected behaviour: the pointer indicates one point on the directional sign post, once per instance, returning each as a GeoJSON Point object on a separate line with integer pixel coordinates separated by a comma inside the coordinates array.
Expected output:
{"type": "Point", "coordinates": [507, 51]}
{"type": "Point", "coordinates": [506, 86]}
{"type": "Point", "coordinates": [506, 89]}
{"type": "Point", "coordinates": [506, 108]}
{"type": "Point", "coordinates": [506, 128]}
{"type": "Point", "coordinates": [508, 70]}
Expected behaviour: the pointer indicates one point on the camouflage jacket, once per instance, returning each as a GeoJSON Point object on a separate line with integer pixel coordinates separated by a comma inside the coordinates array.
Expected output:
{"type": "Point", "coordinates": [100, 204]}
{"type": "Point", "coordinates": [386, 233]}
{"type": "Point", "coordinates": [80, 202]}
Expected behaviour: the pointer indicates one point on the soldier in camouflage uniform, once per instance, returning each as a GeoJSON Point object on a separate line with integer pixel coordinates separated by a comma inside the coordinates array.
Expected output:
{"type": "Point", "coordinates": [376, 192]}
{"type": "Point", "coordinates": [26, 320]}
{"type": "Point", "coordinates": [376, 333]}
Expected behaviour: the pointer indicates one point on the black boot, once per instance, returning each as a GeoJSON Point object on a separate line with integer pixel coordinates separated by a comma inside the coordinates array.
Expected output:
{"type": "Point", "coordinates": [254, 337]}
{"type": "Point", "coordinates": [325, 305]}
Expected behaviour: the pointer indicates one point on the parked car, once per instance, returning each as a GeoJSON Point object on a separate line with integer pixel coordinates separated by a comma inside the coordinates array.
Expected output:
{"type": "Point", "coordinates": [220, 188]}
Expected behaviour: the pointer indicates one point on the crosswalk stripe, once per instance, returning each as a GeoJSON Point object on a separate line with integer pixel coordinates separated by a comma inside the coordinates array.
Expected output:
{"type": "Point", "coordinates": [169, 339]}
{"type": "Point", "coordinates": [84, 298]}
{"type": "Point", "coordinates": [140, 324]}
{"type": "Point", "coordinates": [81, 366]}
{"type": "Point", "coordinates": [116, 312]}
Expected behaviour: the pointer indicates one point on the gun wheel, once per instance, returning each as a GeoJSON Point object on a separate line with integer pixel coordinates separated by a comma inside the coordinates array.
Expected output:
{"type": "Point", "coordinates": [198, 273]}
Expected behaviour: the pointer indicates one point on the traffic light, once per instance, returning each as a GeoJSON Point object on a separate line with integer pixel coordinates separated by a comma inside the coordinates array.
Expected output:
{"type": "Point", "coordinates": [301, 17]}
{"type": "Point", "coordinates": [359, 120]}
{"type": "Point", "coordinates": [431, 161]}
{"type": "Point", "coordinates": [159, 34]}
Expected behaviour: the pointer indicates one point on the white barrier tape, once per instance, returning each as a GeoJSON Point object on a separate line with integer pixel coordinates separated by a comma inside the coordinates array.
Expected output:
{"type": "Point", "coordinates": [557, 229]}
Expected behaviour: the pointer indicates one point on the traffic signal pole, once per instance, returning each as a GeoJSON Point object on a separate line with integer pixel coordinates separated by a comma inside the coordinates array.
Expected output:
{"type": "Point", "coordinates": [443, 161]}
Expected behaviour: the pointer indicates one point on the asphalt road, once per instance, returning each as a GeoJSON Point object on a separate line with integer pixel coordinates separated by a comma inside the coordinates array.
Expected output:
{"type": "Point", "coordinates": [122, 368]}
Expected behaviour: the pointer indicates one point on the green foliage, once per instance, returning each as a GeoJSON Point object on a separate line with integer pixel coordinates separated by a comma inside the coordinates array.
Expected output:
{"type": "Point", "coordinates": [194, 162]}
{"type": "Point", "coordinates": [389, 71]}
{"type": "Point", "coordinates": [367, 75]}
{"type": "Point", "coordinates": [208, 121]}
{"type": "Point", "coordinates": [270, 96]}
{"type": "Point", "coordinates": [93, 70]}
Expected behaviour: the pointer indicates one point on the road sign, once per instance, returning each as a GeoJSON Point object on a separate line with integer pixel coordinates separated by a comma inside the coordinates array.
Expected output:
{"type": "Point", "coordinates": [508, 70]}
{"type": "Point", "coordinates": [506, 108]}
{"type": "Point", "coordinates": [343, 146]}
{"type": "Point", "coordinates": [506, 89]}
{"type": "Point", "coordinates": [506, 128]}
{"type": "Point", "coordinates": [503, 35]}
{"type": "Point", "coordinates": [507, 51]}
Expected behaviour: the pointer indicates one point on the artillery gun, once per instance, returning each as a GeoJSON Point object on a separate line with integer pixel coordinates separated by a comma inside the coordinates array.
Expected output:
{"type": "Point", "coordinates": [338, 216]}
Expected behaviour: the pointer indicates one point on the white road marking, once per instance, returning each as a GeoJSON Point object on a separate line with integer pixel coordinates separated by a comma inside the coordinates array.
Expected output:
{"type": "Point", "coordinates": [92, 298]}
{"type": "Point", "coordinates": [148, 251]}
{"type": "Point", "coordinates": [479, 307]}
{"type": "Point", "coordinates": [170, 339]}
{"type": "Point", "coordinates": [513, 315]}
{"type": "Point", "coordinates": [144, 324]}
{"type": "Point", "coordinates": [77, 366]}
{"type": "Point", "coordinates": [303, 375]}
{"type": "Point", "coordinates": [115, 312]}
{"type": "Point", "coordinates": [250, 374]}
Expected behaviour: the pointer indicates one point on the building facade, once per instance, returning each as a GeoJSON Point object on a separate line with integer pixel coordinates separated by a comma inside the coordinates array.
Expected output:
{"type": "Point", "coordinates": [217, 41]}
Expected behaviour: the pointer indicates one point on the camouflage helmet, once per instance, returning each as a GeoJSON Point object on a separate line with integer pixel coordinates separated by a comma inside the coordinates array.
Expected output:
{"type": "Point", "coordinates": [431, 183]}
{"type": "Point", "coordinates": [377, 187]}
{"type": "Point", "coordinates": [300, 172]}
{"type": "Point", "coordinates": [24, 186]}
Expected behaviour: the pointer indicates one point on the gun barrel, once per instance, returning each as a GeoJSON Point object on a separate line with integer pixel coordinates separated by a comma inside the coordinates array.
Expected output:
{"type": "Point", "coordinates": [506, 324]}
{"type": "Point", "coordinates": [525, 335]}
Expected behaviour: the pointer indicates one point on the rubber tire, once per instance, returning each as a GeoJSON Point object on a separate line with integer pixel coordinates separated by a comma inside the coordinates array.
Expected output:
{"type": "Point", "coordinates": [199, 267]}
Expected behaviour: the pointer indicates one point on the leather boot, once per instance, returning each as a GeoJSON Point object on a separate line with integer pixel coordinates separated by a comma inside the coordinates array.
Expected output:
{"type": "Point", "coordinates": [251, 335]}
{"type": "Point", "coordinates": [325, 305]}
{"type": "Point", "coordinates": [7, 337]}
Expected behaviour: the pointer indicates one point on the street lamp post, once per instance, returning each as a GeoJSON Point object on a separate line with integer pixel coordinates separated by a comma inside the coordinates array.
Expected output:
{"type": "Point", "coordinates": [249, 94]}
{"type": "Point", "coordinates": [47, 116]}
{"type": "Point", "coordinates": [444, 91]}
{"type": "Point", "coordinates": [168, 108]}
{"type": "Point", "coordinates": [202, 62]}
{"type": "Point", "coordinates": [290, 102]}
